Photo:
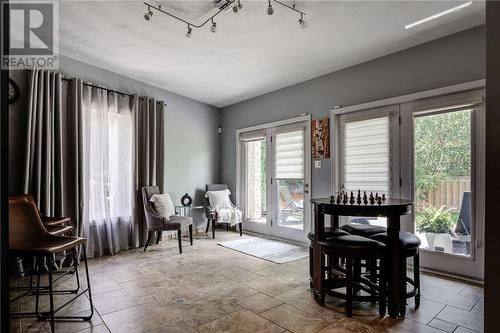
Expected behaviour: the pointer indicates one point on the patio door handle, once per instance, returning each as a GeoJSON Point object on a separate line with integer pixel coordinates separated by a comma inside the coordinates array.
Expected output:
{"type": "Point", "coordinates": [306, 188]}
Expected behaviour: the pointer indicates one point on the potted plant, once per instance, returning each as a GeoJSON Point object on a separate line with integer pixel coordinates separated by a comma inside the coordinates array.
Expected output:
{"type": "Point", "coordinates": [434, 222]}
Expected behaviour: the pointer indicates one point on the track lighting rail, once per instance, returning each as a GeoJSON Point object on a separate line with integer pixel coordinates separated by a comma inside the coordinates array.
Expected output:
{"type": "Point", "coordinates": [158, 8]}
{"type": "Point", "coordinates": [236, 7]}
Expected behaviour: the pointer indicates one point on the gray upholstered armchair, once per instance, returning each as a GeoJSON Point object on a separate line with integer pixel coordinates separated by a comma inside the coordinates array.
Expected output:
{"type": "Point", "coordinates": [210, 213]}
{"type": "Point", "coordinates": [157, 223]}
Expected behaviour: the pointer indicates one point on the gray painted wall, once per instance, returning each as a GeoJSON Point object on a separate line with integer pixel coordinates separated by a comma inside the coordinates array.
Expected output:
{"type": "Point", "coordinates": [450, 60]}
{"type": "Point", "coordinates": [192, 142]}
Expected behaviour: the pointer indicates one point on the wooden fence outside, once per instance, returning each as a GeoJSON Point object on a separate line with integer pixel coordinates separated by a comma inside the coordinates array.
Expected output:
{"type": "Point", "coordinates": [448, 193]}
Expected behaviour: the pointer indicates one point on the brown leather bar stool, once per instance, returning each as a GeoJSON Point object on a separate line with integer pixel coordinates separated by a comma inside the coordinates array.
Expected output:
{"type": "Point", "coordinates": [46, 220]}
{"type": "Point", "coordinates": [411, 244]}
{"type": "Point", "coordinates": [28, 237]}
{"type": "Point", "coordinates": [352, 249]}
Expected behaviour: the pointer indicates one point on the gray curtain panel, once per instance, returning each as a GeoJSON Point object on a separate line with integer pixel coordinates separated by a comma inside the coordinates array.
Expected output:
{"type": "Point", "coordinates": [74, 156]}
{"type": "Point", "coordinates": [149, 167]}
{"type": "Point", "coordinates": [43, 175]}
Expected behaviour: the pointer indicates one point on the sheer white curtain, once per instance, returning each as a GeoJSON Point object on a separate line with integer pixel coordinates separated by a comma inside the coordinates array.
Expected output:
{"type": "Point", "coordinates": [108, 150]}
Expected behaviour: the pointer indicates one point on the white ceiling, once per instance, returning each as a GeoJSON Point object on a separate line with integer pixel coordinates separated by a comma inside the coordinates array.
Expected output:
{"type": "Point", "coordinates": [252, 53]}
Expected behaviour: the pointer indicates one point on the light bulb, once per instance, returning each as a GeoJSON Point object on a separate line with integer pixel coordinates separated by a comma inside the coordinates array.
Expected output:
{"type": "Point", "coordinates": [213, 28]}
{"type": "Point", "coordinates": [302, 23]}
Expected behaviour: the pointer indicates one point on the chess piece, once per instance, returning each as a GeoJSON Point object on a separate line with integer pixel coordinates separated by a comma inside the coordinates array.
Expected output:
{"type": "Point", "coordinates": [372, 198]}
{"type": "Point", "coordinates": [383, 197]}
{"type": "Point", "coordinates": [344, 198]}
{"type": "Point", "coordinates": [351, 198]}
{"type": "Point", "coordinates": [339, 197]}
{"type": "Point", "coordinates": [365, 198]}
{"type": "Point", "coordinates": [376, 196]}
{"type": "Point", "coordinates": [379, 200]}
{"type": "Point", "coordinates": [358, 198]}
{"type": "Point", "coordinates": [332, 199]}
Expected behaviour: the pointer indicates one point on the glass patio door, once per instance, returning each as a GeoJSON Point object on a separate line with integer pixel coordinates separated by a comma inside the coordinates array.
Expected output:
{"type": "Point", "coordinates": [290, 183]}
{"type": "Point", "coordinates": [274, 191]}
{"type": "Point", "coordinates": [443, 177]}
{"type": "Point", "coordinates": [368, 156]}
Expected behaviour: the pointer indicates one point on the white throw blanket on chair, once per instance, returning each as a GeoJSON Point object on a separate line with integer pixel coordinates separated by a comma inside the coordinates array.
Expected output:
{"type": "Point", "coordinates": [229, 215]}
{"type": "Point", "coordinates": [226, 211]}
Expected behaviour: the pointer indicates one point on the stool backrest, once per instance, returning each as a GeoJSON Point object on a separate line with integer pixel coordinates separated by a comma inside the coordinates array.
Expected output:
{"type": "Point", "coordinates": [24, 223]}
{"type": "Point", "coordinates": [23, 198]}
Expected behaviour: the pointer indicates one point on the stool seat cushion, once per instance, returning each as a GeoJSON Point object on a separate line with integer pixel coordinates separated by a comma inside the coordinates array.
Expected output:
{"type": "Point", "coordinates": [406, 239]}
{"type": "Point", "coordinates": [330, 232]}
{"type": "Point", "coordinates": [364, 230]}
{"type": "Point", "coordinates": [353, 242]}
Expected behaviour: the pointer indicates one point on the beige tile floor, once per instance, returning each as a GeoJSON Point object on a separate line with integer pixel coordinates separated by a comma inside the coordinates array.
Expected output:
{"type": "Point", "coordinates": [213, 289]}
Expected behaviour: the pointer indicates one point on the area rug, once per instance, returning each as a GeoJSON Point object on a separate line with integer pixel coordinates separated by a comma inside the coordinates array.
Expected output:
{"type": "Point", "coordinates": [268, 249]}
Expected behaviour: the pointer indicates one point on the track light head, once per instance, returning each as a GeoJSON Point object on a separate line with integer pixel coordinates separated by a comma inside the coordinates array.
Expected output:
{"type": "Point", "coordinates": [188, 33]}
{"type": "Point", "coordinates": [236, 8]}
{"type": "Point", "coordinates": [240, 6]}
{"type": "Point", "coordinates": [270, 9]}
{"type": "Point", "coordinates": [303, 23]}
{"type": "Point", "coordinates": [148, 14]}
{"type": "Point", "coordinates": [213, 28]}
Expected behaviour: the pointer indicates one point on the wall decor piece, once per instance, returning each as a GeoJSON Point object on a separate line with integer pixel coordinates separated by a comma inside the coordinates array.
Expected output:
{"type": "Point", "coordinates": [320, 132]}
{"type": "Point", "coordinates": [186, 200]}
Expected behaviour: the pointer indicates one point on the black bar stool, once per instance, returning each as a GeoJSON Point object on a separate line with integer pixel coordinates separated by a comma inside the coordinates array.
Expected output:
{"type": "Point", "coordinates": [365, 230]}
{"type": "Point", "coordinates": [410, 243]}
{"type": "Point", "coordinates": [353, 249]}
{"type": "Point", "coordinates": [329, 233]}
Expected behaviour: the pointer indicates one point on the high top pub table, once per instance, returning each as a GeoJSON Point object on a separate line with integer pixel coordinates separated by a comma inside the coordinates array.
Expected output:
{"type": "Point", "coordinates": [393, 209]}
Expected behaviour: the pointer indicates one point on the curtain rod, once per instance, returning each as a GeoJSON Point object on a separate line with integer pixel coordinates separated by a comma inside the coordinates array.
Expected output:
{"type": "Point", "coordinates": [111, 90]}
{"type": "Point", "coordinates": [93, 86]}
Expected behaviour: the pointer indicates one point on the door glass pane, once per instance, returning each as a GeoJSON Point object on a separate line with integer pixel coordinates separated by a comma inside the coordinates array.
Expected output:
{"type": "Point", "coordinates": [289, 177]}
{"type": "Point", "coordinates": [291, 203]}
{"type": "Point", "coordinates": [442, 148]}
{"type": "Point", "coordinates": [256, 181]}
{"type": "Point", "coordinates": [366, 161]}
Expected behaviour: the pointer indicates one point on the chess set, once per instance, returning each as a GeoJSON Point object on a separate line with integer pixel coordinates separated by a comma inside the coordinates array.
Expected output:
{"type": "Point", "coordinates": [344, 198]}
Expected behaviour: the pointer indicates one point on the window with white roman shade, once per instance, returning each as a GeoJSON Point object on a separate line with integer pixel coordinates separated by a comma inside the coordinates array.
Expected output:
{"type": "Point", "coordinates": [366, 154]}
{"type": "Point", "coordinates": [290, 155]}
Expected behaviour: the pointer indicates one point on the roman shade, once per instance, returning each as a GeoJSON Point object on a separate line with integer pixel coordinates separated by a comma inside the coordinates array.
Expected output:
{"type": "Point", "coordinates": [366, 154]}
{"type": "Point", "coordinates": [290, 155]}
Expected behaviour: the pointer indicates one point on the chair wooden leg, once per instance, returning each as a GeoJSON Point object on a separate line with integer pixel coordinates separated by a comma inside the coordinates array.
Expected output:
{"type": "Point", "coordinates": [241, 229]}
{"type": "Point", "coordinates": [159, 235]}
{"type": "Point", "coordinates": [416, 278]}
{"type": "Point", "coordinates": [191, 234]}
{"type": "Point", "coordinates": [208, 226]}
{"type": "Point", "coordinates": [213, 228]}
{"type": "Point", "coordinates": [227, 226]}
{"type": "Point", "coordinates": [147, 240]}
{"type": "Point", "coordinates": [180, 240]}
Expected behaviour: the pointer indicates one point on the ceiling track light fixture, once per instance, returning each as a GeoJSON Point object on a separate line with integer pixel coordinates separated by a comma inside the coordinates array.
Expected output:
{"type": "Point", "coordinates": [213, 28]}
{"type": "Point", "coordinates": [270, 9]}
{"type": "Point", "coordinates": [237, 6]}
